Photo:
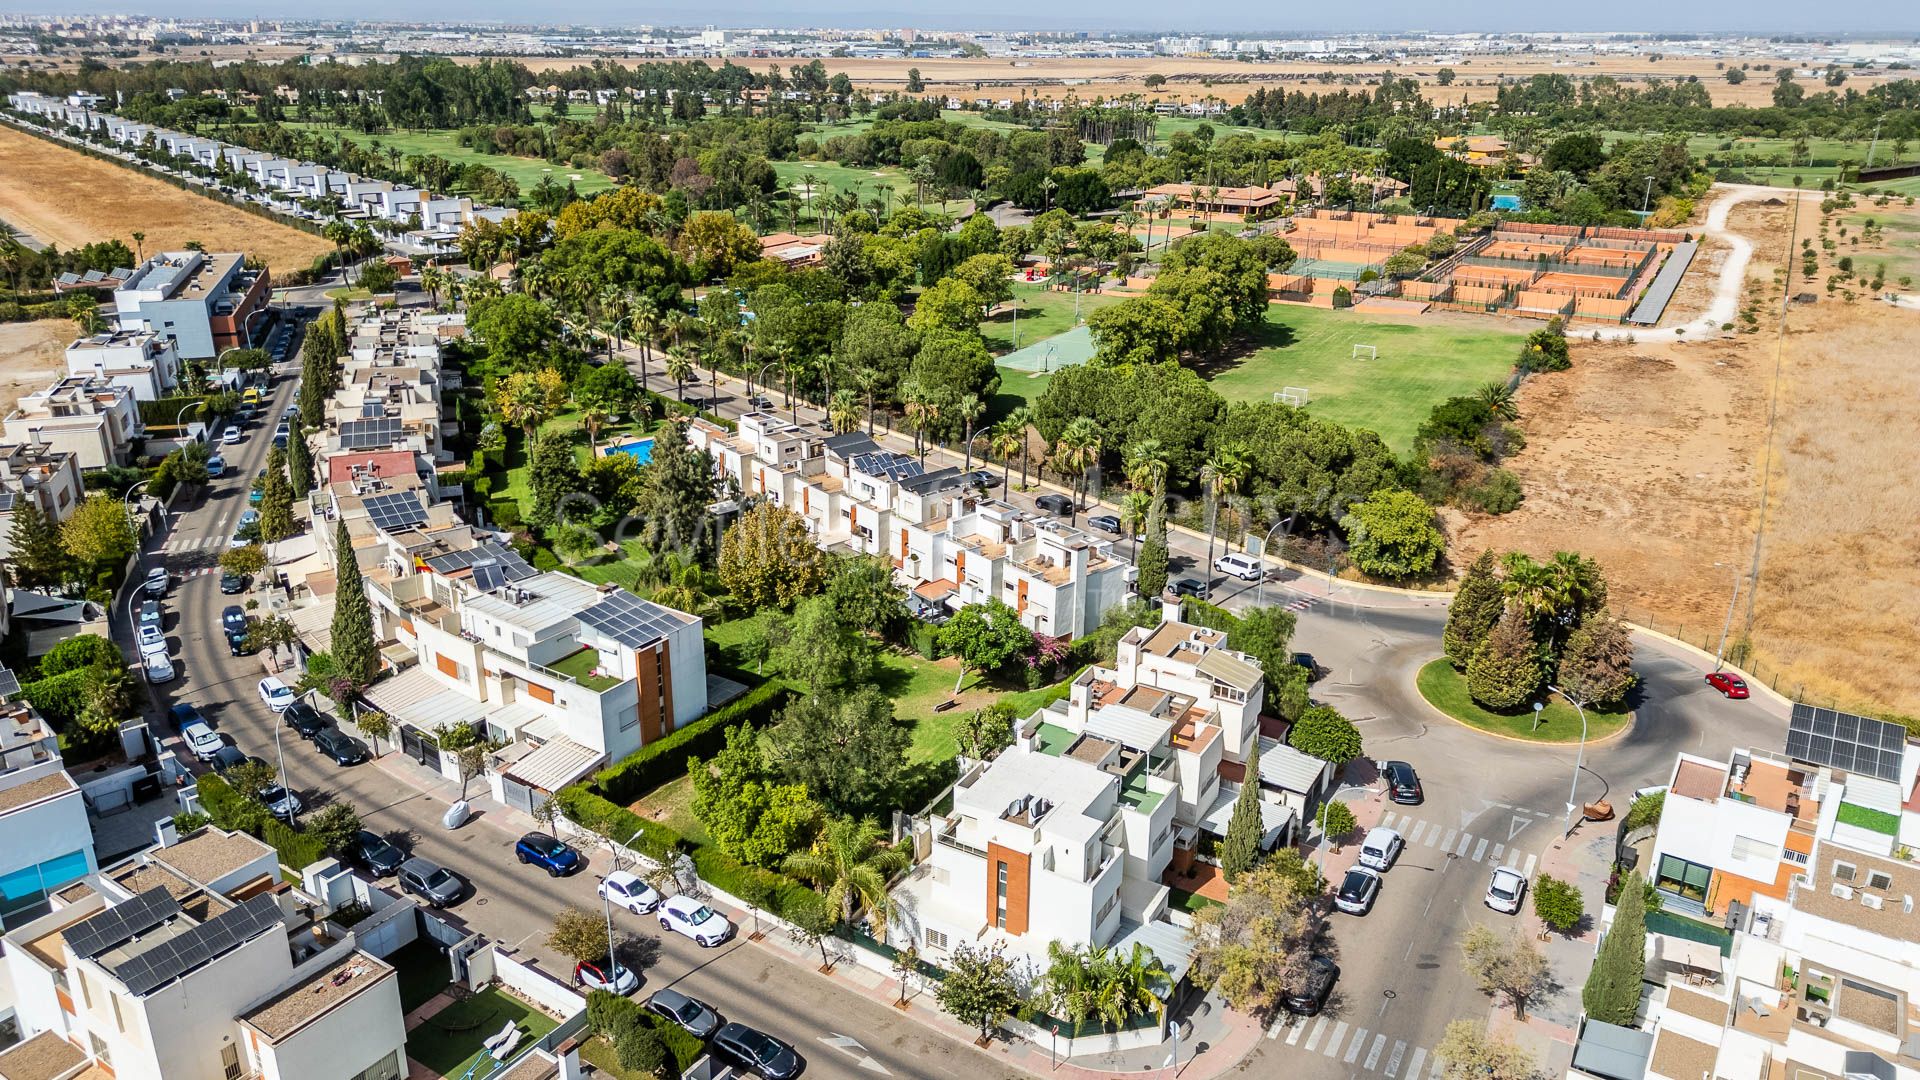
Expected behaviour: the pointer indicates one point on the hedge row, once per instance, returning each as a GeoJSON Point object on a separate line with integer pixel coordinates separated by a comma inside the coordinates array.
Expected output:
{"type": "Point", "coordinates": [235, 812]}
{"type": "Point", "coordinates": [52, 309]}
{"type": "Point", "coordinates": [665, 760]}
{"type": "Point", "coordinates": [1201, 613]}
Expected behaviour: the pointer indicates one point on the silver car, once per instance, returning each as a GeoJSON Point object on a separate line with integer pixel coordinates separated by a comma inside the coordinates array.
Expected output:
{"type": "Point", "coordinates": [430, 881]}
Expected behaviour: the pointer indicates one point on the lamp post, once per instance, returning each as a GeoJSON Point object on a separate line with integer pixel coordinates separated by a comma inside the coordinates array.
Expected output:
{"type": "Point", "coordinates": [1260, 590]}
{"type": "Point", "coordinates": [1579, 757]}
{"type": "Point", "coordinates": [607, 901]}
{"type": "Point", "coordinates": [751, 383]}
{"type": "Point", "coordinates": [1646, 203]}
{"type": "Point", "coordinates": [1173, 1029]}
{"type": "Point", "coordinates": [127, 501]}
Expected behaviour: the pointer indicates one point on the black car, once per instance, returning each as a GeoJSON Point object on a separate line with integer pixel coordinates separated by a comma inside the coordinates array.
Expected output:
{"type": "Point", "coordinates": [343, 748]}
{"type": "Point", "coordinates": [237, 643]}
{"type": "Point", "coordinates": [1054, 504]}
{"type": "Point", "coordinates": [1315, 987]}
{"type": "Point", "coordinates": [1403, 784]}
{"type": "Point", "coordinates": [1106, 523]}
{"type": "Point", "coordinates": [226, 758]}
{"type": "Point", "coordinates": [1187, 586]}
{"type": "Point", "coordinates": [375, 853]}
{"type": "Point", "coordinates": [757, 1052]}
{"type": "Point", "coordinates": [231, 582]}
{"type": "Point", "coordinates": [304, 719]}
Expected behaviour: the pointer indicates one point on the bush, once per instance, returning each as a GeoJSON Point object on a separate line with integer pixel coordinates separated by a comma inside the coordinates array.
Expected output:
{"type": "Point", "coordinates": [1213, 617]}
{"type": "Point", "coordinates": [1498, 492]}
{"type": "Point", "coordinates": [544, 560]}
{"type": "Point", "coordinates": [59, 698]}
{"type": "Point", "coordinates": [664, 760]}
{"type": "Point", "coordinates": [505, 513]}
{"type": "Point", "coordinates": [683, 1047]}
{"type": "Point", "coordinates": [1342, 297]}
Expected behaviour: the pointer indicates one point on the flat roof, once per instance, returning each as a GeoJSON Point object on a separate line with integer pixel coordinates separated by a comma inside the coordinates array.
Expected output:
{"type": "Point", "coordinates": [211, 854]}
{"type": "Point", "coordinates": [46, 1056]}
{"type": "Point", "coordinates": [33, 791]}
{"type": "Point", "coordinates": [327, 990]}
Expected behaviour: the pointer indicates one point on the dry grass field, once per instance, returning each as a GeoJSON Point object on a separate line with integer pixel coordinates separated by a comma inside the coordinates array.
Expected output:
{"type": "Point", "coordinates": [67, 198]}
{"type": "Point", "coordinates": [32, 354]}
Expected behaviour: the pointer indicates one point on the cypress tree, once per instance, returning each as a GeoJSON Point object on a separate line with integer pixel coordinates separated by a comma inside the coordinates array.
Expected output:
{"type": "Point", "coordinates": [299, 467]}
{"type": "Point", "coordinates": [1506, 671]}
{"type": "Point", "coordinates": [1244, 829]}
{"type": "Point", "coordinates": [1612, 993]}
{"type": "Point", "coordinates": [1475, 609]}
{"type": "Point", "coordinates": [354, 652]}
{"type": "Point", "coordinates": [276, 500]}
{"type": "Point", "coordinates": [1153, 553]}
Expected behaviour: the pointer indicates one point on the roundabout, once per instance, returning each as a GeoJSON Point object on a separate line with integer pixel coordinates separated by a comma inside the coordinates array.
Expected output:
{"type": "Point", "coordinates": [1445, 690]}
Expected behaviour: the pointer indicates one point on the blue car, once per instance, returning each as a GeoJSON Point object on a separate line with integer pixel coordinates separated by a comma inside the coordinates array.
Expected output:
{"type": "Point", "coordinates": [553, 855]}
{"type": "Point", "coordinates": [184, 714]}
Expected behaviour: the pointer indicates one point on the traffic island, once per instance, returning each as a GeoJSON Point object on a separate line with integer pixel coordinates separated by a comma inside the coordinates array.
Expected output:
{"type": "Point", "coordinates": [1446, 690]}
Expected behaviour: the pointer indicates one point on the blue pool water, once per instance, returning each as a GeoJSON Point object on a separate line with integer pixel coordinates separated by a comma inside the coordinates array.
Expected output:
{"type": "Point", "coordinates": [1506, 202]}
{"type": "Point", "coordinates": [640, 450]}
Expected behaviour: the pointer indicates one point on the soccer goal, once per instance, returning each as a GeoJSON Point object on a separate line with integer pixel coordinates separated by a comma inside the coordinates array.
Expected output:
{"type": "Point", "coordinates": [1293, 395]}
{"type": "Point", "coordinates": [1365, 352]}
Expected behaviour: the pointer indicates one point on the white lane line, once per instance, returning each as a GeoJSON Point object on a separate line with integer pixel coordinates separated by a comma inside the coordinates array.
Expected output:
{"type": "Point", "coordinates": [1339, 1032]}
{"type": "Point", "coordinates": [1386, 820]}
{"type": "Point", "coordinates": [1447, 844]}
{"type": "Point", "coordinates": [1513, 857]}
{"type": "Point", "coordinates": [1353, 1048]}
{"type": "Point", "coordinates": [1528, 872]}
{"type": "Point", "coordinates": [1480, 849]}
{"type": "Point", "coordinates": [1393, 1059]}
{"type": "Point", "coordinates": [1373, 1052]}
{"type": "Point", "coordinates": [1439, 1069]}
{"type": "Point", "coordinates": [1293, 1036]}
{"type": "Point", "coordinates": [1320, 1026]}
{"type": "Point", "coordinates": [1465, 839]}
{"type": "Point", "coordinates": [1413, 1063]}
{"type": "Point", "coordinates": [1498, 851]}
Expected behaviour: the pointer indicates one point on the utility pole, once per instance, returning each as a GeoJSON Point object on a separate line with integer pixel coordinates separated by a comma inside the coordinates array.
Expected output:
{"type": "Point", "coordinates": [1875, 144]}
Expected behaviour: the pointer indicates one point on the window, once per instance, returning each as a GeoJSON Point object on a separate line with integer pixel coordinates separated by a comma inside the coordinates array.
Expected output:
{"type": "Point", "coordinates": [387, 1068]}
{"type": "Point", "coordinates": [230, 1061]}
{"type": "Point", "coordinates": [100, 1052]}
{"type": "Point", "coordinates": [935, 939]}
{"type": "Point", "coordinates": [86, 991]}
{"type": "Point", "coordinates": [1106, 908]}
{"type": "Point", "coordinates": [119, 1021]}
{"type": "Point", "coordinates": [1797, 858]}
{"type": "Point", "coordinates": [1687, 880]}
{"type": "Point", "coordinates": [1000, 896]}
{"type": "Point", "coordinates": [1879, 879]}
{"type": "Point", "coordinates": [1844, 871]}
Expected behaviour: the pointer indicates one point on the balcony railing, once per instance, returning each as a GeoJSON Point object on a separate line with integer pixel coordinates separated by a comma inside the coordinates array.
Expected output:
{"type": "Point", "coordinates": [949, 837]}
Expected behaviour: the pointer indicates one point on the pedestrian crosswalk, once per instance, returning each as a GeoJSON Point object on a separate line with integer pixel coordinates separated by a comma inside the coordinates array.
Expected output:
{"type": "Point", "coordinates": [1369, 1051]}
{"type": "Point", "coordinates": [187, 547]}
{"type": "Point", "coordinates": [1303, 603]}
{"type": "Point", "coordinates": [1465, 845]}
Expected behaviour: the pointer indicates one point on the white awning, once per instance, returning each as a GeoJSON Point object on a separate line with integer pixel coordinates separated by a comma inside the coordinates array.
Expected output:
{"type": "Point", "coordinates": [555, 765]}
{"type": "Point", "coordinates": [396, 696]}
{"type": "Point", "coordinates": [1168, 943]}
{"type": "Point", "coordinates": [1272, 815]}
{"type": "Point", "coordinates": [1129, 727]}
{"type": "Point", "coordinates": [314, 624]}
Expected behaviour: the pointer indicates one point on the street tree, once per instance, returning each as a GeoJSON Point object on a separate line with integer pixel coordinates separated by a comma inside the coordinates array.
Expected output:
{"type": "Point", "coordinates": [375, 725]}
{"type": "Point", "coordinates": [1337, 822]}
{"type": "Point", "coordinates": [276, 500]}
{"type": "Point", "coordinates": [980, 989]}
{"type": "Point", "coordinates": [1505, 671]}
{"type": "Point", "coordinates": [578, 935]}
{"type": "Point", "coordinates": [1245, 828]}
{"type": "Point", "coordinates": [1255, 947]}
{"type": "Point", "coordinates": [356, 655]}
{"type": "Point", "coordinates": [333, 826]}
{"type": "Point", "coordinates": [847, 748]}
{"type": "Point", "coordinates": [1558, 903]}
{"type": "Point", "coordinates": [1471, 1053]}
{"type": "Point", "coordinates": [1612, 992]}
{"type": "Point", "coordinates": [1508, 967]}
{"type": "Point", "coordinates": [245, 561]}
{"type": "Point", "coordinates": [810, 922]}
{"type": "Point", "coordinates": [769, 559]}
{"type": "Point", "coordinates": [1323, 733]}
{"type": "Point", "coordinates": [471, 761]}
{"type": "Point", "coordinates": [299, 467]}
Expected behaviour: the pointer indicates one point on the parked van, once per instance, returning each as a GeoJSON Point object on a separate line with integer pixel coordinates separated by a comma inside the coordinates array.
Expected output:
{"type": "Point", "coordinates": [1380, 848]}
{"type": "Point", "coordinates": [251, 397]}
{"type": "Point", "coordinates": [1244, 567]}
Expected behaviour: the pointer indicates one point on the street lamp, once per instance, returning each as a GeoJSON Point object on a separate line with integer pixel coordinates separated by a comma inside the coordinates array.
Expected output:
{"type": "Point", "coordinates": [1579, 757]}
{"type": "Point", "coordinates": [606, 901]}
{"type": "Point", "coordinates": [127, 501]}
{"type": "Point", "coordinates": [1173, 1029]}
{"type": "Point", "coordinates": [1260, 590]}
{"type": "Point", "coordinates": [1646, 203]}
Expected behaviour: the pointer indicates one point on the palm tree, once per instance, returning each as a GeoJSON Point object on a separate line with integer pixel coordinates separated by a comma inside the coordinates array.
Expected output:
{"type": "Point", "coordinates": [1129, 987]}
{"type": "Point", "coordinates": [850, 867]}
{"type": "Point", "coordinates": [593, 418]}
{"type": "Point", "coordinates": [431, 278]}
{"type": "Point", "coordinates": [1134, 508]}
{"type": "Point", "coordinates": [1221, 475]}
{"type": "Point", "coordinates": [969, 410]}
{"type": "Point", "coordinates": [1145, 463]}
{"type": "Point", "coordinates": [1005, 439]}
{"type": "Point", "coordinates": [1020, 419]}
{"type": "Point", "coordinates": [646, 319]}
{"type": "Point", "coordinates": [843, 411]}
{"type": "Point", "coordinates": [140, 246]}
{"type": "Point", "coordinates": [1529, 586]}
{"type": "Point", "coordinates": [680, 369]}
{"type": "Point", "coordinates": [1068, 983]}
{"type": "Point", "coordinates": [1498, 398]}
{"type": "Point", "coordinates": [1075, 453]}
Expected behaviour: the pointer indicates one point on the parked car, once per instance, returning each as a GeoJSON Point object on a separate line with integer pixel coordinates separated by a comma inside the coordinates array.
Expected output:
{"type": "Point", "coordinates": [756, 1051]}
{"type": "Point", "coordinates": [157, 582]}
{"type": "Point", "coordinates": [697, 1017]}
{"type": "Point", "coordinates": [1380, 848]}
{"type": "Point", "coordinates": [279, 802]}
{"type": "Point", "coordinates": [625, 889]}
{"type": "Point", "coordinates": [231, 583]}
{"type": "Point", "coordinates": [216, 466]}
{"type": "Point", "coordinates": [1403, 784]}
{"type": "Point", "coordinates": [201, 740]}
{"type": "Point", "coordinates": [1055, 504]}
{"type": "Point", "coordinates": [1729, 684]}
{"type": "Point", "coordinates": [238, 644]}
{"type": "Point", "coordinates": [226, 758]}
{"type": "Point", "coordinates": [1244, 567]}
{"type": "Point", "coordinates": [152, 639]}
{"type": "Point", "coordinates": [281, 434]}
{"type": "Point", "coordinates": [1358, 890]}
{"type": "Point", "coordinates": [276, 694]}
{"type": "Point", "coordinates": [187, 713]}
{"type": "Point", "coordinates": [549, 853]}
{"type": "Point", "coordinates": [1193, 587]}
{"type": "Point", "coordinates": [1316, 985]}
{"type": "Point", "coordinates": [375, 853]}
{"type": "Point", "coordinates": [983, 478]}
{"type": "Point", "coordinates": [150, 613]}
{"type": "Point", "coordinates": [343, 748]}
{"type": "Point", "coordinates": [692, 919]}
{"type": "Point", "coordinates": [1106, 523]}
{"type": "Point", "coordinates": [1506, 889]}
{"type": "Point", "coordinates": [606, 975]}
{"type": "Point", "coordinates": [304, 719]}
{"type": "Point", "coordinates": [233, 618]}
{"type": "Point", "coordinates": [430, 881]}
{"type": "Point", "coordinates": [230, 436]}
{"type": "Point", "coordinates": [159, 668]}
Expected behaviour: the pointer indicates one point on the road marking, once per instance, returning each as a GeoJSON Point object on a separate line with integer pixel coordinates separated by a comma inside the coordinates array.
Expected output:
{"type": "Point", "coordinates": [1447, 844]}
{"type": "Point", "coordinates": [1528, 872]}
{"type": "Point", "coordinates": [1293, 1036]}
{"type": "Point", "coordinates": [1413, 1063]}
{"type": "Point", "coordinates": [1373, 1052]}
{"type": "Point", "coordinates": [1480, 849]}
{"type": "Point", "coordinates": [1386, 820]}
{"type": "Point", "coordinates": [851, 1047]}
{"type": "Point", "coordinates": [1465, 839]}
{"type": "Point", "coordinates": [1518, 823]}
{"type": "Point", "coordinates": [1497, 850]}
{"type": "Point", "coordinates": [1319, 1029]}
{"type": "Point", "coordinates": [1333, 1044]}
{"type": "Point", "coordinates": [1353, 1048]}
{"type": "Point", "coordinates": [1439, 1069]}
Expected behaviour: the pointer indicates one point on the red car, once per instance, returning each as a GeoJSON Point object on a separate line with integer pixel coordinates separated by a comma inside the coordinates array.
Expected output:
{"type": "Point", "coordinates": [1728, 683]}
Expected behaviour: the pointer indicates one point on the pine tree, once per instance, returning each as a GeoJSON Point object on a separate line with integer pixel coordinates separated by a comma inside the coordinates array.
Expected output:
{"type": "Point", "coordinates": [679, 487]}
{"type": "Point", "coordinates": [354, 650]}
{"type": "Point", "coordinates": [276, 500]}
{"type": "Point", "coordinates": [39, 559]}
{"type": "Point", "coordinates": [1612, 993]}
{"type": "Point", "coordinates": [1506, 670]}
{"type": "Point", "coordinates": [299, 467]}
{"type": "Point", "coordinates": [552, 476]}
{"type": "Point", "coordinates": [1245, 829]}
{"type": "Point", "coordinates": [1153, 553]}
{"type": "Point", "coordinates": [1475, 609]}
{"type": "Point", "coordinates": [1597, 664]}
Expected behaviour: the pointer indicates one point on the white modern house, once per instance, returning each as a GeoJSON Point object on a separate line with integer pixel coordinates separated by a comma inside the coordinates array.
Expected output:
{"type": "Point", "coordinates": [144, 362]}
{"type": "Point", "coordinates": [94, 419]}
{"type": "Point", "coordinates": [46, 841]}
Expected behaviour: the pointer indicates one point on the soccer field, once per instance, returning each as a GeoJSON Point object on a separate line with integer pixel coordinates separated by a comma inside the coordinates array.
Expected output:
{"type": "Point", "coordinates": [1419, 365]}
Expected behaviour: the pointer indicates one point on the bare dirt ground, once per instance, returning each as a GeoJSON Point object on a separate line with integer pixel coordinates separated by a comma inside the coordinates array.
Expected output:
{"type": "Point", "coordinates": [32, 355]}
{"type": "Point", "coordinates": [67, 198]}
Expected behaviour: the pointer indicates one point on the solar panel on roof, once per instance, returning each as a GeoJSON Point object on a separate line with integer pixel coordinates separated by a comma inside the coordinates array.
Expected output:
{"type": "Point", "coordinates": [168, 960]}
{"type": "Point", "coordinates": [368, 434]}
{"type": "Point", "coordinates": [487, 576]}
{"type": "Point", "coordinates": [893, 466]}
{"type": "Point", "coordinates": [9, 683]}
{"type": "Point", "coordinates": [122, 923]}
{"type": "Point", "coordinates": [1855, 744]}
{"type": "Point", "coordinates": [629, 620]}
{"type": "Point", "coordinates": [373, 409]}
{"type": "Point", "coordinates": [395, 510]}
{"type": "Point", "coordinates": [7, 499]}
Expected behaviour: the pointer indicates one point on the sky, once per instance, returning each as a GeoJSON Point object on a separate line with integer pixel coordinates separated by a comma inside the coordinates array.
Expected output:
{"type": "Point", "coordinates": [1756, 16]}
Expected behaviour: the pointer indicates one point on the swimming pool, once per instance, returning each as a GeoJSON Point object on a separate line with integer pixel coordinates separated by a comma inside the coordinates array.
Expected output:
{"type": "Point", "coordinates": [640, 450]}
{"type": "Point", "coordinates": [1506, 202]}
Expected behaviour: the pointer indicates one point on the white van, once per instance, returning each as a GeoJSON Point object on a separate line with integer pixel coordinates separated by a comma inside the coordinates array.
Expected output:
{"type": "Point", "coordinates": [1244, 567]}
{"type": "Point", "coordinates": [1380, 848]}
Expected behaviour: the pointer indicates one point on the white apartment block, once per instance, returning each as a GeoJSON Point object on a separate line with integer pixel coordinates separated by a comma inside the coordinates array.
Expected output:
{"type": "Point", "coordinates": [144, 362]}
{"type": "Point", "coordinates": [948, 543]}
{"type": "Point", "coordinates": [1806, 856]}
{"type": "Point", "coordinates": [46, 841]}
{"type": "Point", "coordinates": [41, 475]}
{"type": "Point", "coordinates": [195, 961]}
{"type": "Point", "coordinates": [96, 420]}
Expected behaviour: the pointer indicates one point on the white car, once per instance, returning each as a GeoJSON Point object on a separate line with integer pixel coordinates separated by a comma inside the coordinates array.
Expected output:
{"type": "Point", "coordinates": [159, 667]}
{"type": "Point", "coordinates": [1244, 567]}
{"type": "Point", "coordinates": [1381, 847]}
{"type": "Point", "coordinates": [231, 435]}
{"type": "Point", "coordinates": [276, 694]}
{"type": "Point", "coordinates": [692, 919]}
{"type": "Point", "coordinates": [201, 740]}
{"type": "Point", "coordinates": [625, 889]}
{"type": "Point", "coordinates": [1506, 889]}
{"type": "Point", "coordinates": [152, 639]}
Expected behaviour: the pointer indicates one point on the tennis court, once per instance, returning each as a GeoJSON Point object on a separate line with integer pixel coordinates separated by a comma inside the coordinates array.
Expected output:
{"type": "Point", "coordinates": [1051, 354]}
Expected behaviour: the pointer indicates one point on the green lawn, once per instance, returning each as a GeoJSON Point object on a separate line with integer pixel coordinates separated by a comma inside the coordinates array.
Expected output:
{"type": "Point", "coordinates": [1037, 312]}
{"type": "Point", "coordinates": [526, 172]}
{"type": "Point", "coordinates": [1419, 365]}
{"type": "Point", "coordinates": [1446, 689]}
{"type": "Point", "coordinates": [1900, 231]}
{"type": "Point", "coordinates": [832, 175]}
{"type": "Point", "coordinates": [450, 1041]}
{"type": "Point", "coordinates": [1017, 388]}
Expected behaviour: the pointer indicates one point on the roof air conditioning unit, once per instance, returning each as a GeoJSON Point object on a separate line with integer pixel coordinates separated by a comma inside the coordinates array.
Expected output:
{"type": "Point", "coordinates": [1868, 900]}
{"type": "Point", "coordinates": [1843, 892]}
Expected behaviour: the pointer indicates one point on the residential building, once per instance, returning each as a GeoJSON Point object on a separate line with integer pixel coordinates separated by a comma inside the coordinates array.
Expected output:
{"type": "Point", "coordinates": [94, 419]}
{"type": "Point", "coordinates": [195, 961]}
{"type": "Point", "coordinates": [46, 841]}
{"type": "Point", "coordinates": [206, 303]}
{"type": "Point", "coordinates": [144, 362]}
{"type": "Point", "coordinates": [40, 474]}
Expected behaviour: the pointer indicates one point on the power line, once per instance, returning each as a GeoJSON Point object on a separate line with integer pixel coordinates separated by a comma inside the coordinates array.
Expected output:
{"type": "Point", "coordinates": [1773, 407]}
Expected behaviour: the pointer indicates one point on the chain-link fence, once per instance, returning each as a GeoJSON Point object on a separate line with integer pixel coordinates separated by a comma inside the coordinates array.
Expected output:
{"type": "Point", "coordinates": [1738, 651]}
